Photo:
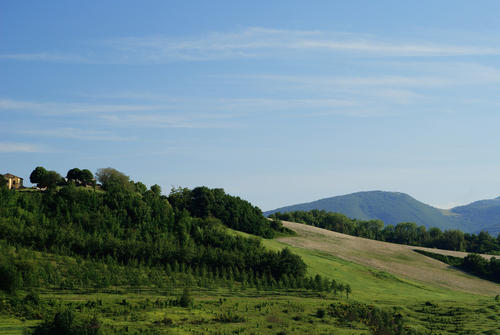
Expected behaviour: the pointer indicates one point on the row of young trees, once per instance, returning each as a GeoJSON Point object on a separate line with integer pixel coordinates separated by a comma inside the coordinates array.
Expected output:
{"type": "Point", "coordinates": [21, 268]}
{"type": "Point", "coordinates": [403, 233]}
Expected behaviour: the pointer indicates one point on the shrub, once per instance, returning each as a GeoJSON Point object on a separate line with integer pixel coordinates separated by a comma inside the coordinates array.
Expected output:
{"type": "Point", "coordinates": [32, 299]}
{"type": "Point", "coordinates": [320, 313]}
{"type": "Point", "coordinates": [10, 278]}
{"type": "Point", "coordinates": [185, 300]}
{"type": "Point", "coordinates": [64, 323]}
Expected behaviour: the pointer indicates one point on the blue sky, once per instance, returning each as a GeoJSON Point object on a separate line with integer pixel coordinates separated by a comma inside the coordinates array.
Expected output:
{"type": "Point", "coordinates": [278, 102]}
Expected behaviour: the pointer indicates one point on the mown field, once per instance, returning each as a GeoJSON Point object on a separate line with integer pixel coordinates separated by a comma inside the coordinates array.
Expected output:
{"type": "Point", "coordinates": [396, 259]}
{"type": "Point", "coordinates": [426, 306]}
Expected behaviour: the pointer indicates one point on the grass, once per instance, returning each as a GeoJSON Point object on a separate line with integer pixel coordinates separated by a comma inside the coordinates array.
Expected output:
{"type": "Point", "coordinates": [223, 311]}
{"type": "Point", "coordinates": [427, 307]}
{"type": "Point", "coordinates": [399, 260]}
{"type": "Point", "coordinates": [371, 285]}
{"type": "Point", "coordinates": [215, 311]}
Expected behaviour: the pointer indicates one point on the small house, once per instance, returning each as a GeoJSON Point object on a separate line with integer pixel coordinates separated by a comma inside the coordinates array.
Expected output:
{"type": "Point", "coordinates": [13, 182]}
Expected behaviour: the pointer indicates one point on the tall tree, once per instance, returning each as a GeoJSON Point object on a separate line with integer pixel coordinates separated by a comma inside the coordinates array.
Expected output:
{"type": "Point", "coordinates": [74, 175]}
{"type": "Point", "coordinates": [348, 290]}
{"type": "Point", "coordinates": [86, 177]}
{"type": "Point", "coordinates": [50, 180]}
{"type": "Point", "coordinates": [37, 174]}
{"type": "Point", "coordinates": [156, 189]}
{"type": "Point", "coordinates": [112, 179]}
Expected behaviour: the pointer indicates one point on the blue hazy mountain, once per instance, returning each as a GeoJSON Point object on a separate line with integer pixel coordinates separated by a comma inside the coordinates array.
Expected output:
{"type": "Point", "coordinates": [395, 207]}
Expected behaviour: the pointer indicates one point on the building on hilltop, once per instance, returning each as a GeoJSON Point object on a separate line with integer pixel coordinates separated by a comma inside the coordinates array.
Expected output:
{"type": "Point", "coordinates": [13, 182]}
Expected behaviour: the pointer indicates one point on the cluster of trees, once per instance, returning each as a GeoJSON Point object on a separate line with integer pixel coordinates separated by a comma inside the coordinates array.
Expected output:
{"type": "Point", "coordinates": [80, 177]}
{"type": "Point", "coordinates": [403, 233]}
{"type": "Point", "coordinates": [65, 322]}
{"type": "Point", "coordinates": [19, 270]}
{"type": "Point", "coordinates": [234, 212]}
{"type": "Point", "coordinates": [481, 267]}
{"type": "Point", "coordinates": [379, 321]}
{"type": "Point", "coordinates": [131, 225]}
{"type": "Point", "coordinates": [472, 263]}
{"type": "Point", "coordinates": [50, 179]}
{"type": "Point", "coordinates": [43, 178]}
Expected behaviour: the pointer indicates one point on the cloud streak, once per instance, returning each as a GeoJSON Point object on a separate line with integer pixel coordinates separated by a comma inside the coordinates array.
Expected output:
{"type": "Point", "coordinates": [77, 134]}
{"type": "Point", "coordinates": [253, 42]}
{"type": "Point", "coordinates": [208, 108]}
{"type": "Point", "coordinates": [53, 108]}
{"type": "Point", "coordinates": [258, 42]}
{"type": "Point", "coordinates": [8, 147]}
{"type": "Point", "coordinates": [47, 57]}
{"type": "Point", "coordinates": [418, 75]}
{"type": "Point", "coordinates": [168, 121]}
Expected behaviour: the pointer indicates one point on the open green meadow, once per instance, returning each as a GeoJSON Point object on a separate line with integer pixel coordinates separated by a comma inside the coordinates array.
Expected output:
{"type": "Point", "coordinates": [427, 308]}
{"type": "Point", "coordinates": [228, 308]}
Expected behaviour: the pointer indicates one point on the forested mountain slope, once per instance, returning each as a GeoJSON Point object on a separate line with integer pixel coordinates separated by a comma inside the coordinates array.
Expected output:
{"type": "Point", "coordinates": [483, 213]}
{"type": "Point", "coordinates": [394, 207]}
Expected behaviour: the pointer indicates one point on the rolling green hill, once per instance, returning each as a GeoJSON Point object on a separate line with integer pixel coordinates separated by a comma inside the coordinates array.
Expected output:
{"type": "Point", "coordinates": [395, 207]}
{"type": "Point", "coordinates": [127, 260]}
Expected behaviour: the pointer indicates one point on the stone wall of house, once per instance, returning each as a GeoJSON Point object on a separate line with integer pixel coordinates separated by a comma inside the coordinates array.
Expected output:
{"type": "Point", "coordinates": [13, 182]}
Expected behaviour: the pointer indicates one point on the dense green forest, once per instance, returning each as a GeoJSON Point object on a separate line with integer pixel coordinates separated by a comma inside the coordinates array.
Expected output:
{"type": "Point", "coordinates": [128, 224]}
{"type": "Point", "coordinates": [120, 233]}
{"type": "Point", "coordinates": [403, 233]}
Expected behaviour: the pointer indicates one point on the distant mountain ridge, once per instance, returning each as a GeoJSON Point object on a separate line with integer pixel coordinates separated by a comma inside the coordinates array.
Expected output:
{"type": "Point", "coordinates": [396, 207]}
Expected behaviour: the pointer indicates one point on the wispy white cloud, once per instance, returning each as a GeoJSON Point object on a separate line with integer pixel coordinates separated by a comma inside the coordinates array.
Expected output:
{"type": "Point", "coordinates": [77, 134]}
{"type": "Point", "coordinates": [184, 113]}
{"type": "Point", "coordinates": [395, 49]}
{"type": "Point", "coordinates": [398, 95]}
{"type": "Point", "coordinates": [253, 42]}
{"type": "Point", "coordinates": [255, 105]}
{"type": "Point", "coordinates": [356, 81]}
{"type": "Point", "coordinates": [168, 121]}
{"type": "Point", "coordinates": [259, 42]}
{"type": "Point", "coordinates": [416, 75]}
{"type": "Point", "coordinates": [47, 57]}
{"type": "Point", "coordinates": [220, 107]}
{"type": "Point", "coordinates": [54, 108]}
{"type": "Point", "coordinates": [9, 147]}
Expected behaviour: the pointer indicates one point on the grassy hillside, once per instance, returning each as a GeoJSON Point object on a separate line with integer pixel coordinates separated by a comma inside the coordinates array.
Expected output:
{"type": "Point", "coordinates": [132, 261]}
{"type": "Point", "coordinates": [399, 260]}
{"type": "Point", "coordinates": [231, 308]}
{"type": "Point", "coordinates": [434, 297]}
{"type": "Point", "coordinates": [393, 208]}
{"type": "Point", "coordinates": [145, 300]}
